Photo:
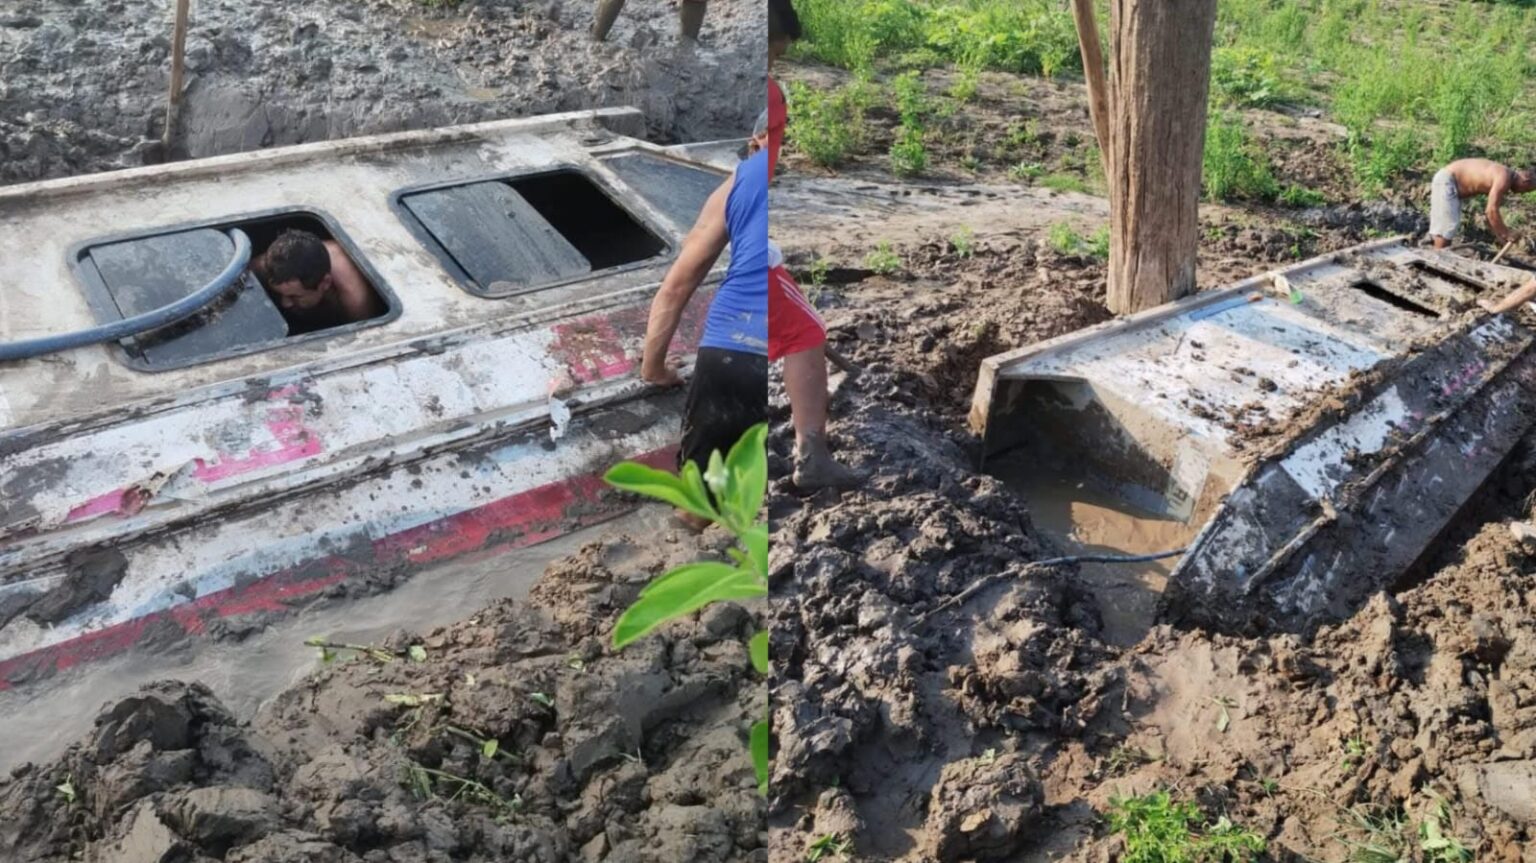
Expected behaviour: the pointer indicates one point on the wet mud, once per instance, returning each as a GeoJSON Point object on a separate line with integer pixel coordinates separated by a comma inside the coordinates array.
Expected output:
{"type": "Point", "coordinates": [915, 727]}
{"type": "Point", "coordinates": [83, 89]}
{"type": "Point", "coordinates": [516, 734]}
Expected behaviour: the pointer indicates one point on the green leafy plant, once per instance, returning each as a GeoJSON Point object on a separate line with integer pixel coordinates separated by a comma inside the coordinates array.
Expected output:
{"type": "Point", "coordinates": [909, 156]}
{"type": "Point", "coordinates": [833, 846]}
{"type": "Point", "coordinates": [1301, 196]}
{"type": "Point", "coordinates": [963, 241]}
{"type": "Point", "coordinates": [729, 492]}
{"type": "Point", "coordinates": [827, 124]}
{"type": "Point", "coordinates": [1157, 829]}
{"type": "Point", "coordinates": [1355, 751]}
{"type": "Point", "coordinates": [882, 260]}
{"type": "Point", "coordinates": [66, 790]}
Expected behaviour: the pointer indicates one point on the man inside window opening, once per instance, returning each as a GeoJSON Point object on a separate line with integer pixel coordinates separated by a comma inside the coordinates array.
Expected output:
{"type": "Point", "coordinates": [314, 282]}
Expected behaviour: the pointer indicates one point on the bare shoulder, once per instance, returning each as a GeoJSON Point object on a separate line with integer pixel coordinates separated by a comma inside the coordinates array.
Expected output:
{"type": "Point", "coordinates": [341, 262]}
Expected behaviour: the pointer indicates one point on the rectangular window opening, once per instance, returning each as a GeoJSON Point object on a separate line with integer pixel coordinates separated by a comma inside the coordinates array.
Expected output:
{"type": "Point", "coordinates": [131, 275]}
{"type": "Point", "coordinates": [1377, 292]}
{"type": "Point", "coordinates": [507, 236]}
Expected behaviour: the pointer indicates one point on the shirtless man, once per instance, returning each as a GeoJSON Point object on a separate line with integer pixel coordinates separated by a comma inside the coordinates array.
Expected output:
{"type": "Point", "coordinates": [314, 282]}
{"type": "Point", "coordinates": [1468, 178]}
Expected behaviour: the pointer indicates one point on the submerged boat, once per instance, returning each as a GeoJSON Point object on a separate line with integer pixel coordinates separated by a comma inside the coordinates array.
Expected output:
{"type": "Point", "coordinates": [1318, 426]}
{"type": "Point", "coordinates": [237, 463]}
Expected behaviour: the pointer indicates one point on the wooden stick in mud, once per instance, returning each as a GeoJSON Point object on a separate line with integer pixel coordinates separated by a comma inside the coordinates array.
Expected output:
{"type": "Point", "coordinates": [1500, 255]}
{"type": "Point", "coordinates": [1093, 72]}
{"type": "Point", "coordinates": [843, 364]}
{"type": "Point", "coordinates": [178, 73]}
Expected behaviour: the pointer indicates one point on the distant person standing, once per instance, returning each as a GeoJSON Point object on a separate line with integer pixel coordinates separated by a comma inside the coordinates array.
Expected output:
{"type": "Point", "coordinates": [690, 17]}
{"type": "Point", "coordinates": [1470, 178]}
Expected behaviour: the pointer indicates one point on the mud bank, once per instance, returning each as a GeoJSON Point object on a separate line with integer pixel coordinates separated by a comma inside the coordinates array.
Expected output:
{"type": "Point", "coordinates": [84, 89]}
{"type": "Point", "coordinates": [513, 735]}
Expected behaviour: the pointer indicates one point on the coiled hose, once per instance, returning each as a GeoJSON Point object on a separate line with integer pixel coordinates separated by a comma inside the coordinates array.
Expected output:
{"type": "Point", "coordinates": [151, 320]}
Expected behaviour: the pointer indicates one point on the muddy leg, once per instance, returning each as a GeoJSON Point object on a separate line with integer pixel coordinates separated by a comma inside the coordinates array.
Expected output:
{"type": "Point", "coordinates": [607, 13]}
{"type": "Point", "coordinates": [690, 15]}
{"type": "Point", "coordinates": [805, 379]}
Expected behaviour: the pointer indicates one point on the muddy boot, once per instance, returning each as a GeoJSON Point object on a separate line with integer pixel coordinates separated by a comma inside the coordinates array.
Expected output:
{"type": "Point", "coordinates": [607, 13]}
{"type": "Point", "coordinates": [816, 469]}
{"type": "Point", "coordinates": [690, 17]}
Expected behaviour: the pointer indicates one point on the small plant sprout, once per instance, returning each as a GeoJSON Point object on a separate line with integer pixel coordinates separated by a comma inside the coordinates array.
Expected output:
{"type": "Point", "coordinates": [413, 699]}
{"type": "Point", "coordinates": [1122, 758]}
{"type": "Point", "coordinates": [542, 700]}
{"type": "Point", "coordinates": [730, 493]}
{"type": "Point", "coordinates": [1224, 717]}
{"type": "Point", "coordinates": [66, 790]}
{"type": "Point", "coordinates": [818, 271]}
{"type": "Point", "coordinates": [1354, 753]}
{"type": "Point", "coordinates": [833, 846]}
{"type": "Point", "coordinates": [1269, 786]}
{"type": "Point", "coordinates": [963, 241]}
{"type": "Point", "coordinates": [1435, 840]}
{"type": "Point", "coordinates": [989, 756]}
{"type": "Point", "coordinates": [417, 653]}
{"type": "Point", "coordinates": [882, 261]}
{"type": "Point", "coordinates": [575, 662]}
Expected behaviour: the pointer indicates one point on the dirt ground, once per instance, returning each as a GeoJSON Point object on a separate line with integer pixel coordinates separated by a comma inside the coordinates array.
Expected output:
{"type": "Point", "coordinates": [514, 735]}
{"type": "Point", "coordinates": [1001, 729]}
{"type": "Point", "coordinates": [83, 88]}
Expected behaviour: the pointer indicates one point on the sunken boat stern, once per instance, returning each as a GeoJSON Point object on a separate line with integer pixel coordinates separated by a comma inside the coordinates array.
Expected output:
{"type": "Point", "coordinates": [1386, 399]}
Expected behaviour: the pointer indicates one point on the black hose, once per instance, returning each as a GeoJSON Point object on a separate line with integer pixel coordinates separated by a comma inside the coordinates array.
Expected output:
{"type": "Point", "coordinates": [151, 320]}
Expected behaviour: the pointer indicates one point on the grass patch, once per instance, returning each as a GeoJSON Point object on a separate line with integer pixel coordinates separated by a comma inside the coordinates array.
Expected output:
{"type": "Point", "coordinates": [828, 124]}
{"type": "Point", "coordinates": [1064, 182]}
{"type": "Point", "coordinates": [1158, 830]}
{"type": "Point", "coordinates": [1235, 168]}
{"type": "Point", "coordinates": [1026, 36]}
{"type": "Point", "coordinates": [1066, 239]}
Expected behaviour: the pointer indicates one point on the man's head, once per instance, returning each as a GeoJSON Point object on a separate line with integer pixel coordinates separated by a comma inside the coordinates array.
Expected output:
{"type": "Point", "coordinates": [297, 270]}
{"type": "Point", "coordinates": [783, 28]}
{"type": "Point", "coordinates": [1525, 180]}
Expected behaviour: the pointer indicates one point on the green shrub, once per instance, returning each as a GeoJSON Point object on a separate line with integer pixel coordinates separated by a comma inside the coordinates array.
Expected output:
{"type": "Point", "coordinates": [908, 155]}
{"type": "Point", "coordinates": [826, 124]}
{"type": "Point", "coordinates": [1158, 830]}
{"type": "Point", "coordinates": [1233, 167]}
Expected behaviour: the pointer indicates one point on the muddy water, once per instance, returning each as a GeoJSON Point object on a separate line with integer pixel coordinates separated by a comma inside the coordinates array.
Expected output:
{"type": "Point", "coordinates": [1083, 520]}
{"type": "Point", "coordinates": [40, 721]}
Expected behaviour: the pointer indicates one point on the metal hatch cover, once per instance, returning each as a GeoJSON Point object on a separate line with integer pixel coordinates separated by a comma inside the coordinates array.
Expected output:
{"type": "Point", "coordinates": [679, 191]}
{"type": "Point", "coordinates": [144, 274]}
{"type": "Point", "coordinates": [496, 236]}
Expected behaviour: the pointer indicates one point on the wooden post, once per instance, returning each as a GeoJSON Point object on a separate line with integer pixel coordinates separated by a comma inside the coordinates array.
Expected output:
{"type": "Point", "coordinates": [1158, 83]}
{"type": "Point", "coordinates": [1089, 46]}
{"type": "Point", "coordinates": [178, 74]}
{"type": "Point", "coordinates": [607, 13]}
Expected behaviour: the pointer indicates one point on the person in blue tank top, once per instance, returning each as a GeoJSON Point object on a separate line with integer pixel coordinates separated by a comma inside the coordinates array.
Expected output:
{"type": "Point", "coordinates": [729, 391]}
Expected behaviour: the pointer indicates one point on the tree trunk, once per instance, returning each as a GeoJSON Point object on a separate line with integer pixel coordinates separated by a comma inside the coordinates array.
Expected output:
{"type": "Point", "coordinates": [1159, 78]}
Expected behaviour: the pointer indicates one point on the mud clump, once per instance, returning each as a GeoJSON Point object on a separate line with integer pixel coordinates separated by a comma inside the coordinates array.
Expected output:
{"type": "Point", "coordinates": [85, 90]}
{"type": "Point", "coordinates": [514, 735]}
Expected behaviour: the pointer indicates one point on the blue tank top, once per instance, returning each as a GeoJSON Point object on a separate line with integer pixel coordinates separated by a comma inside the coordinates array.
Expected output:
{"type": "Point", "coordinates": [738, 316]}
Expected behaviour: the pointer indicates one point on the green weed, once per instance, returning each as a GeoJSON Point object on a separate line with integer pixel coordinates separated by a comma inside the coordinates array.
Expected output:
{"type": "Point", "coordinates": [1027, 171]}
{"type": "Point", "coordinates": [1158, 830]}
{"type": "Point", "coordinates": [1064, 238]}
{"type": "Point", "coordinates": [909, 156]}
{"type": "Point", "coordinates": [831, 847]}
{"type": "Point", "coordinates": [1062, 182]}
{"type": "Point", "coordinates": [963, 241]}
{"type": "Point", "coordinates": [1234, 167]}
{"type": "Point", "coordinates": [882, 260]}
{"type": "Point", "coordinates": [1301, 196]}
{"type": "Point", "coordinates": [827, 124]}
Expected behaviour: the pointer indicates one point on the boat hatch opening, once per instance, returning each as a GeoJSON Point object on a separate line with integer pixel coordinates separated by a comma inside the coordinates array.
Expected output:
{"type": "Point", "coordinates": [676, 189]}
{"type": "Point", "coordinates": [513, 235]}
{"type": "Point", "coordinates": [1377, 292]}
{"type": "Point", "coordinates": [125, 276]}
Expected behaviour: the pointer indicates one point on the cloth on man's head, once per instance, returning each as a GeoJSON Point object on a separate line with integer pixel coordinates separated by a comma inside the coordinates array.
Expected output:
{"type": "Point", "coordinates": [778, 113]}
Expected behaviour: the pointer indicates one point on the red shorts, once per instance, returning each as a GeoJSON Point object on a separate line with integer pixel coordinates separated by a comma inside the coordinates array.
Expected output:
{"type": "Point", "coordinates": [793, 325]}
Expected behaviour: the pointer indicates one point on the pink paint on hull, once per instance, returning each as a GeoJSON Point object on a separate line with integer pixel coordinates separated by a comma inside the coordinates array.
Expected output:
{"type": "Point", "coordinates": [517, 521]}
